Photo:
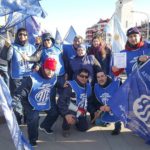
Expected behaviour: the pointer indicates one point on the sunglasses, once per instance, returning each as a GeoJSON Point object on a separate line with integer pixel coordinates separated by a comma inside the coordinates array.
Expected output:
{"type": "Point", "coordinates": [47, 40]}
{"type": "Point", "coordinates": [83, 76]}
{"type": "Point", "coordinates": [22, 34]}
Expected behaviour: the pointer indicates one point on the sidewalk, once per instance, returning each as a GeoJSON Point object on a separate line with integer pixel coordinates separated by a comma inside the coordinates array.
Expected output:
{"type": "Point", "coordinates": [95, 138]}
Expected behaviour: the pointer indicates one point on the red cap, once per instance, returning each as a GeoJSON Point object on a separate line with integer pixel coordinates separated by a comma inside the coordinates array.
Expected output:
{"type": "Point", "coordinates": [50, 64]}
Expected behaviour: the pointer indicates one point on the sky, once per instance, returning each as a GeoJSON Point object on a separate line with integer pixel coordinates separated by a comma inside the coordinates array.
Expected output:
{"type": "Point", "coordinates": [81, 13]}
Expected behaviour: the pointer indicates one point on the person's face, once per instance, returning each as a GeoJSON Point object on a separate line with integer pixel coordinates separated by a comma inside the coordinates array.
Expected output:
{"type": "Point", "coordinates": [81, 51]}
{"type": "Point", "coordinates": [49, 73]}
{"type": "Point", "coordinates": [96, 42]}
{"type": "Point", "coordinates": [83, 77]}
{"type": "Point", "coordinates": [48, 43]}
{"type": "Point", "coordinates": [134, 39]}
{"type": "Point", "coordinates": [101, 78]}
{"type": "Point", "coordinates": [77, 42]}
{"type": "Point", "coordinates": [38, 40]}
{"type": "Point", "coordinates": [23, 36]}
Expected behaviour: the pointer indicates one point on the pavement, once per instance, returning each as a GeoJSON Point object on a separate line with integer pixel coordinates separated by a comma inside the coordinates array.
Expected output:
{"type": "Point", "coordinates": [95, 138]}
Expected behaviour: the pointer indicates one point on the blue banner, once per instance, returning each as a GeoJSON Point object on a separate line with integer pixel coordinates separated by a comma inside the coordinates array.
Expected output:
{"type": "Point", "coordinates": [58, 37]}
{"type": "Point", "coordinates": [131, 103]}
{"type": "Point", "coordinates": [70, 36]}
{"type": "Point", "coordinates": [13, 20]}
{"type": "Point", "coordinates": [5, 101]}
{"type": "Point", "coordinates": [29, 7]}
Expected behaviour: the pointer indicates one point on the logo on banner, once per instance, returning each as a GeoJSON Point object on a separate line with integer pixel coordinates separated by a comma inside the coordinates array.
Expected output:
{"type": "Point", "coordinates": [141, 109]}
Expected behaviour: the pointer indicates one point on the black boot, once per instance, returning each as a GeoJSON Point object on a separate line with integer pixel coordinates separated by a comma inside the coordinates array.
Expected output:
{"type": "Point", "coordinates": [115, 132]}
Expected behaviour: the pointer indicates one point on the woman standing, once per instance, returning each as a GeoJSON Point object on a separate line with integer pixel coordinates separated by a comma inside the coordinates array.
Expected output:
{"type": "Point", "coordinates": [101, 51]}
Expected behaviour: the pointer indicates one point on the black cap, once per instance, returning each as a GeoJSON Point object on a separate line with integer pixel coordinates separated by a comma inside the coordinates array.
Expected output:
{"type": "Point", "coordinates": [133, 30]}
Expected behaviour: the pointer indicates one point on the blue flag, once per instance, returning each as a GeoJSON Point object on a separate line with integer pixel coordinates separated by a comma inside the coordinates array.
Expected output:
{"type": "Point", "coordinates": [70, 35]}
{"type": "Point", "coordinates": [131, 103]}
{"type": "Point", "coordinates": [58, 38]}
{"type": "Point", "coordinates": [33, 27]}
{"type": "Point", "coordinates": [13, 20]}
{"type": "Point", "coordinates": [29, 7]}
{"type": "Point", "coordinates": [5, 101]}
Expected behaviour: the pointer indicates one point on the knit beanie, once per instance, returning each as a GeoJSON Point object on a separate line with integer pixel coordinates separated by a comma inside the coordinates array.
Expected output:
{"type": "Point", "coordinates": [82, 46]}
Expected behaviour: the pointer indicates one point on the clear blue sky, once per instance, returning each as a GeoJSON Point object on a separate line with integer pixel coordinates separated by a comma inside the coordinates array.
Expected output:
{"type": "Point", "coordinates": [81, 13]}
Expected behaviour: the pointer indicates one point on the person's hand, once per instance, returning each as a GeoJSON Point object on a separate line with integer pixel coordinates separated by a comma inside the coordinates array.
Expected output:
{"type": "Point", "coordinates": [102, 108]}
{"type": "Point", "coordinates": [143, 58]}
{"type": "Point", "coordinates": [105, 108]}
{"type": "Point", "coordinates": [70, 119]}
{"type": "Point", "coordinates": [36, 68]}
{"type": "Point", "coordinates": [115, 69]}
{"type": "Point", "coordinates": [25, 57]}
{"type": "Point", "coordinates": [66, 84]}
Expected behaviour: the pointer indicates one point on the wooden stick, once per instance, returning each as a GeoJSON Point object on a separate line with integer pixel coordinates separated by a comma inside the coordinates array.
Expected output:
{"type": "Point", "coordinates": [95, 117]}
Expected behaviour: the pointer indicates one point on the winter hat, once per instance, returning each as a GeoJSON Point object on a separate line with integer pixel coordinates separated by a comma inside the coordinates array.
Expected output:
{"type": "Point", "coordinates": [133, 30]}
{"type": "Point", "coordinates": [47, 36]}
{"type": "Point", "coordinates": [50, 64]}
{"type": "Point", "coordinates": [82, 46]}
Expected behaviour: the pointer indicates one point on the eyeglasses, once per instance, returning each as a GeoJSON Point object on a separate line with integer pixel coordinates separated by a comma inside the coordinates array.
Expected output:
{"type": "Point", "coordinates": [83, 76]}
{"type": "Point", "coordinates": [22, 34]}
{"type": "Point", "coordinates": [47, 40]}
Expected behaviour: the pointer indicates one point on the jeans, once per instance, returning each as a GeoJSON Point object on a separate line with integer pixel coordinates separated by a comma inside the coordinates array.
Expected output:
{"type": "Point", "coordinates": [32, 117]}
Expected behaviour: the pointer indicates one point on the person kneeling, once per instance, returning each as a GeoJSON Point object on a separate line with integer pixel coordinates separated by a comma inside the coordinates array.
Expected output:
{"type": "Point", "coordinates": [73, 102]}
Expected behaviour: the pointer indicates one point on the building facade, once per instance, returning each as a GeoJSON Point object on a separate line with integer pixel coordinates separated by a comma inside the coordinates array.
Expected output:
{"type": "Point", "coordinates": [98, 28]}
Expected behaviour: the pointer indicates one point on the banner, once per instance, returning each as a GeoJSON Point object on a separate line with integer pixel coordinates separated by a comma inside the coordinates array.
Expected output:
{"type": "Point", "coordinates": [28, 7]}
{"type": "Point", "coordinates": [70, 36]}
{"type": "Point", "coordinates": [131, 103]}
{"type": "Point", "coordinates": [5, 101]}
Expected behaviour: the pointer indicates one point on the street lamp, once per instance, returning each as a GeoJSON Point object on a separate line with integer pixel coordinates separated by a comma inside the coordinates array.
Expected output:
{"type": "Point", "coordinates": [147, 15]}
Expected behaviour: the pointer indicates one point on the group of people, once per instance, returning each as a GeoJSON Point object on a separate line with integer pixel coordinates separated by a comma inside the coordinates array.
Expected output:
{"type": "Point", "coordinates": [81, 78]}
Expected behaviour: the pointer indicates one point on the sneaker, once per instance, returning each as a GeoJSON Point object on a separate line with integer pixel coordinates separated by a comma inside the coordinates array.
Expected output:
{"type": "Point", "coordinates": [33, 144]}
{"type": "Point", "coordinates": [65, 133]}
{"type": "Point", "coordinates": [115, 132]}
{"type": "Point", "coordinates": [45, 130]}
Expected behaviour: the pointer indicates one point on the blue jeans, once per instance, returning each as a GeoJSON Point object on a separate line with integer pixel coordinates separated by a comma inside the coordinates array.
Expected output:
{"type": "Point", "coordinates": [32, 117]}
